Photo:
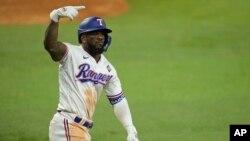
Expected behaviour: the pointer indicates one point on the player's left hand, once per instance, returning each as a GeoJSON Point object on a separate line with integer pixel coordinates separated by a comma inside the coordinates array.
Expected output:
{"type": "Point", "coordinates": [68, 11]}
{"type": "Point", "coordinates": [132, 134]}
{"type": "Point", "coordinates": [132, 137]}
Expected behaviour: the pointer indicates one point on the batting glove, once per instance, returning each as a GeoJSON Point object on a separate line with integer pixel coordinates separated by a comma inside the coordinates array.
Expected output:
{"type": "Point", "coordinates": [132, 134]}
{"type": "Point", "coordinates": [132, 138]}
{"type": "Point", "coordinates": [68, 11]}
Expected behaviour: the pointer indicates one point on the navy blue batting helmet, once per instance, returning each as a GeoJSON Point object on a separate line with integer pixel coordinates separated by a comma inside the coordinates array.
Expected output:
{"type": "Point", "coordinates": [94, 24]}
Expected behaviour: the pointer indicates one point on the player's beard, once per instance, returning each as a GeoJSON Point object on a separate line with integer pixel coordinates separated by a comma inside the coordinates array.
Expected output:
{"type": "Point", "coordinates": [93, 50]}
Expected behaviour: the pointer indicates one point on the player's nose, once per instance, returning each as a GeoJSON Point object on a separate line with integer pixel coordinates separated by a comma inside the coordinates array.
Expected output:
{"type": "Point", "coordinates": [100, 35]}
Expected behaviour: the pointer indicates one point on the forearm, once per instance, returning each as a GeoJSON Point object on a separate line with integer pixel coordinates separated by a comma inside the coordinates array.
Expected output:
{"type": "Point", "coordinates": [123, 114]}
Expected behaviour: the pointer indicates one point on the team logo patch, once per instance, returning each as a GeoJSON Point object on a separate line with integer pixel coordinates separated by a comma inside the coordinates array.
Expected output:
{"type": "Point", "coordinates": [108, 68]}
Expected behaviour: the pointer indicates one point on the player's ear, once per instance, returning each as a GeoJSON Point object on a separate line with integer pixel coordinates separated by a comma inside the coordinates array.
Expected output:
{"type": "Point", "coordinates": [83, 38]}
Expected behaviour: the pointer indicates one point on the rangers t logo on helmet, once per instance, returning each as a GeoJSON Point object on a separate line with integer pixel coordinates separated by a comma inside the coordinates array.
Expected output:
{"type": "Point", "coordinates": [100, 21]}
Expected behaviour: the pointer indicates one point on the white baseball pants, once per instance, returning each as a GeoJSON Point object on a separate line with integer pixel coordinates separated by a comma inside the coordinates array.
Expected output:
{"type": "Point", "coordinates": [65, 129]}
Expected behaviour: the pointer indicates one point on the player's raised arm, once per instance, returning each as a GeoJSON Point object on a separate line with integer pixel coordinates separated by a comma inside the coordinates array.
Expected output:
{"type": "Point", "coordinates": [54, 47]}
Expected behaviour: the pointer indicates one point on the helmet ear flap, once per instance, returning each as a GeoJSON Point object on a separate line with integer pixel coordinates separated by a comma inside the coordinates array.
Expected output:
{"type": "Point", "coordinates": [107, 42]}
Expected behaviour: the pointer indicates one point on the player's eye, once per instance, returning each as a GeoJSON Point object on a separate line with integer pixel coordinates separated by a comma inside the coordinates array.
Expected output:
{"type": "Point", "coordinates": [95, 33]}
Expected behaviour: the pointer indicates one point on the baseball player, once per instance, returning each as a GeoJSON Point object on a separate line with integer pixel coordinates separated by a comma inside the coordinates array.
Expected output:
{"type": "Point", "coordinates": [83, 73]}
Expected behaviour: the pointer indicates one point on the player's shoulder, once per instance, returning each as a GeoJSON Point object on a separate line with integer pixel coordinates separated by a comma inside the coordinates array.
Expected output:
{"type": "Point", "coordinates": [105, 60]}
{"type": "Point", "coordinates": [107, 63]}
{"type": "Point", "coordinates": [71, 46]}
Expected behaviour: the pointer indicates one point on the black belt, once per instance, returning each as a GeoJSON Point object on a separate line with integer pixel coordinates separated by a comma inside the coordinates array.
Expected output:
{"type": "Point", "coordinates": [78, 120]}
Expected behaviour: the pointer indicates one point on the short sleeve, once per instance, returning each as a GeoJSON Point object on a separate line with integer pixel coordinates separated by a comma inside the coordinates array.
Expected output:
{"type": "Point", "coordinates": [113, 87]}
{"type": "Point", "coordinates": [113, 90]}
{"type": "Point", "coordinates": [66, 55]}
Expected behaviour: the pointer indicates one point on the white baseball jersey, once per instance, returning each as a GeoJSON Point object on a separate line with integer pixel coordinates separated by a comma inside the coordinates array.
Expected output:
{"type": "Point", "coordinates": [81, 80]}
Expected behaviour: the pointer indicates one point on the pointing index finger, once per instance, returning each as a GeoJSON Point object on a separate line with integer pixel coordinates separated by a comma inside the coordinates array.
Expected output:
{"type": "Point", "coordinates": [79, 7]}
